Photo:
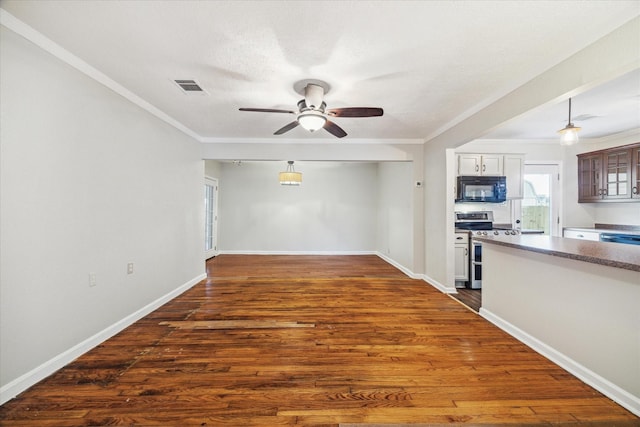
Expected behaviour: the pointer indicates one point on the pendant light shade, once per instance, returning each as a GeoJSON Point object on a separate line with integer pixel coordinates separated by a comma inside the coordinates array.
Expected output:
{"type": "Point", "coordinates": [569, 134]}
{"type": "Point", "coordinates": [290, 176]}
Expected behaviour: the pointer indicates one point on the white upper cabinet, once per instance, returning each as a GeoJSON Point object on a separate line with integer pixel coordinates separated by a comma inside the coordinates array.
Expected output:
{"type": "Point", "coordinates": [480, 164]}
{"type": "Point", "coordinates": [514, 171]}
{"type": "Point", "coordinates": [492, 165]}
{"type": "Point", "coordinates": [509, 165]}
{"type": "Point", "coordinates": [469, 164]}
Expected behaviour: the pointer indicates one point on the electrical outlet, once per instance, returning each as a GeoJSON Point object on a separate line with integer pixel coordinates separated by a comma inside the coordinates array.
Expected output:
{"type": "Point", "coordinates": [92, 280]}
{"type": "Point", "coordinates": [130, 268]}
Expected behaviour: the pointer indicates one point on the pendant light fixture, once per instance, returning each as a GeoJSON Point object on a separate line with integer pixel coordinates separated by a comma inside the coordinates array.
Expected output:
{"type": "Point", "coordinates": [290, 176]}
{"type": "Point", "coordinates": [569, 134]}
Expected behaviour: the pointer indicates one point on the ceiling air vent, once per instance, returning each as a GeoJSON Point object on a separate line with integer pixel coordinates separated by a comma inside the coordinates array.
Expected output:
{"type": "Point", "coordinates": [189, 86]}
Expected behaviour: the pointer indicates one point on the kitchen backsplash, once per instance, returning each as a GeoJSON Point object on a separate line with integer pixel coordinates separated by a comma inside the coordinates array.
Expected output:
{"type": "Point", "coordinates": [501, 211]}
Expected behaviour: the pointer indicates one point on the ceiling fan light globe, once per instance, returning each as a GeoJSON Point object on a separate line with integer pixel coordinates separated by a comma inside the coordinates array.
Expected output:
{"type": "Point", "coordinates": [311, 121]}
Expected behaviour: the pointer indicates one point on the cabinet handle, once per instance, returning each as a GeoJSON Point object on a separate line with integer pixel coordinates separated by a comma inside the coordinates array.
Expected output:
{"type": "Point", "coordinates": [484, 168]}
{"type": "Point", "coordinates": [605, 192]}
{"type": "Point", "coordinates": [634, 190]}
{"type": "Point", "coordinates": [466, 251]}
{"type": "Point", "coordinates": [580, 236]}
{"type": "Point", "coordinates": [477, 168]}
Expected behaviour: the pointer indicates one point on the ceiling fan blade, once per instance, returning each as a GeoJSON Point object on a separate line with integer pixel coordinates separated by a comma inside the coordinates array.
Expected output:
{"type": "Point", "coordinates": [267, 110]}
{"type": "Point", "coordinates": [334, 129]}
{"type": "Point", "coordinates": [286, 128]}
{"type": "Point", "coordinates": [355, 112]}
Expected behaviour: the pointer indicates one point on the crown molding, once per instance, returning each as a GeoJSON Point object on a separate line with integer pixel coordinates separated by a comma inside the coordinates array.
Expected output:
{"type": "Point", "coordinates": [19, 27]}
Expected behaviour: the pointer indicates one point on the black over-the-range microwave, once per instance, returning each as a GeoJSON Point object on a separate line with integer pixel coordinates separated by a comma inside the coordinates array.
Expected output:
{"type": "Point", "coordinates": [487, 189]}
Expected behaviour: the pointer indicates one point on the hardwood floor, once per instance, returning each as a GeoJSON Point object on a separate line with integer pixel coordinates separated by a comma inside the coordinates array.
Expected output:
{"type": "Point", "coordinates": [472, 298]}
{"type": "Point", "coordinates": [314, 341]}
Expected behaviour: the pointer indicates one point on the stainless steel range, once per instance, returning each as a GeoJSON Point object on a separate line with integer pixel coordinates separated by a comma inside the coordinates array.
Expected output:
{"type": "Point", "coordinates": [479, 223]}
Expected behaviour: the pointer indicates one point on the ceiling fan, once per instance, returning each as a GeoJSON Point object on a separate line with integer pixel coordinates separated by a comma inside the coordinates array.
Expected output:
{"type": "Point", "coordinates": [312, 113]}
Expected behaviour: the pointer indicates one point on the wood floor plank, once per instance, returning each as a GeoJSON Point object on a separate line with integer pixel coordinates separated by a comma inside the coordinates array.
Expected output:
{"type": "Point", "coordinates": [313, 341]}
{"type": "Point", "coordinates": [235, 324]}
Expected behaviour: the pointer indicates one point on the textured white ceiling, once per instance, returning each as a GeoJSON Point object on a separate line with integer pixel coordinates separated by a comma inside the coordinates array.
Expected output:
{"type": "Point", "coordinates": [427, 63]}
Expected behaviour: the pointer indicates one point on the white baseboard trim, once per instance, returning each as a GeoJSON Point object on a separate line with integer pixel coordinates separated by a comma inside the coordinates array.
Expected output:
{"type": "Point", "coordinates": [439, 286]}
{"type": "Point", "coordinates": [20, 384]}
{"type": "Point", "coordinates": [400, 267]}
{"type": "Point", "coordinates": [604, 386]}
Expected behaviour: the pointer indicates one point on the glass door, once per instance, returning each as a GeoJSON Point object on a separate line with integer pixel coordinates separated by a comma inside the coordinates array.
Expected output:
{"type": "Point", "coordinates": [211, 218]}
{"type": "Point", "coordinates": [618, 174]}
{"type": "Point", "coordinates": [540, 207]}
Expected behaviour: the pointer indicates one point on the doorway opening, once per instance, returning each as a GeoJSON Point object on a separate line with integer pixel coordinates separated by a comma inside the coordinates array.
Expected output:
{"type": "Point", "coordinates": [211, 218]}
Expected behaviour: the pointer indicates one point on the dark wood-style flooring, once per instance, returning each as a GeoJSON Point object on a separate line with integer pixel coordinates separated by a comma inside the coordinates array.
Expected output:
{"type": "Point", "coordinates": [472, 298]}
{"type": "Point", "coordinates": [314, 341]}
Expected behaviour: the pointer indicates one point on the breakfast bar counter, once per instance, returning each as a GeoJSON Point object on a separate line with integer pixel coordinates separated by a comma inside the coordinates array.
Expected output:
{"type": "Point", "coordinates": [603, 253]}
{"type": "Point", "coordinates": [577, 302]}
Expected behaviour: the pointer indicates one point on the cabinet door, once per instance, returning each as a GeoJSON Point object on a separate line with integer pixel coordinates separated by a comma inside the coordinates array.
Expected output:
{"type": "Point", "coordinates": [492, 165]}
{"type": "Point", "coordinates": [469, 164]}
{"type": "Point", "coordinates": [514, 171]}
{"type": "Point", "coordinates": [617, 174]}
{"type": "Point", "coordinates": [589, 177]}
{"type": "Point", "coordinates": [462, 262]}
{"type": "Point", "coordinates": [635, 173]}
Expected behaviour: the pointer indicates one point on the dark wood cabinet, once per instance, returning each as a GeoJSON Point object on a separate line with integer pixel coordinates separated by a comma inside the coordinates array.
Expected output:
{"type": "Point", "coordinates": [589, 178]}
{"type": "Point", "coordinates": [635, 173]}
{"type": "Point", "coordinates": [611, 175]}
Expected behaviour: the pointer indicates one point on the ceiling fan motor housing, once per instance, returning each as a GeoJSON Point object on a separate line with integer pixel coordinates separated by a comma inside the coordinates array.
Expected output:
{"type": "Point", "coordinates": [313, 95]}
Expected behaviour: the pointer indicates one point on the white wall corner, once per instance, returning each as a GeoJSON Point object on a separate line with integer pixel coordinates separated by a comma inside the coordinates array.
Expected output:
{"type": "Point", "coordinates": [400, 267]}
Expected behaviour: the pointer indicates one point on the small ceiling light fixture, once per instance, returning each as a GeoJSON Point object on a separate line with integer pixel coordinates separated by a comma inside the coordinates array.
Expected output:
{"type": "Point", "coordinates": [311, 120]}
{"type": "Point", "coordinates": [290, 176]}
{"type": "Point", "coordinates": [569, 134]}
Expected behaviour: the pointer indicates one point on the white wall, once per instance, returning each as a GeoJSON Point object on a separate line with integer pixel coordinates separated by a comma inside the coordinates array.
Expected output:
{"type": "Point", "coordinates": [438, 218]}
{"type": "Point", "coordinates": [333, 211]}
{"type": "Point", "coordinates": [89, 183]}
{"type": "Point", "coordinates": [395, 212]}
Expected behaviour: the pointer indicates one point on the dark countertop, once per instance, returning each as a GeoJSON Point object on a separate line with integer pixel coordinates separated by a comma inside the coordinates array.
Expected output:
{"type": "Point", "coordinates": [610, 254]}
